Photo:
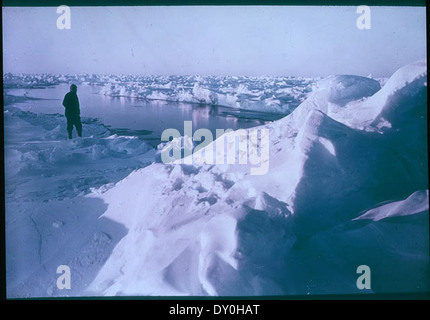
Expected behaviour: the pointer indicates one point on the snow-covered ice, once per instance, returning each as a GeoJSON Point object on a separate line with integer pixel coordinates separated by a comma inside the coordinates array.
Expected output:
{"type": "Point", "coordinates": [347, 186]}
{"type": "Point", "coordinates": [277, 95]}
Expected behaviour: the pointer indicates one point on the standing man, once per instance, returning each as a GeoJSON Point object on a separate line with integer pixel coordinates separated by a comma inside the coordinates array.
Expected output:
{"type": "Point", "coordinates": [73, 113]}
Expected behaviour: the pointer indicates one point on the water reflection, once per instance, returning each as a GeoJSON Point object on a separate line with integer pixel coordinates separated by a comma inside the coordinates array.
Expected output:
{"type": "Point", "coordinates": [131, 116]}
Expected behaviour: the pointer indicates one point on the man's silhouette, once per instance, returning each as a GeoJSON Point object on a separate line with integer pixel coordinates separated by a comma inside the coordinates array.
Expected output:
{"type": "Point", "coordinates": [73, 113]}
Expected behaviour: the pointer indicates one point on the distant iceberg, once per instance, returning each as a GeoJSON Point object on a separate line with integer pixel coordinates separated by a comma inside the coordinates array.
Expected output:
{"type": "Point", "coordinates": [273, 95]}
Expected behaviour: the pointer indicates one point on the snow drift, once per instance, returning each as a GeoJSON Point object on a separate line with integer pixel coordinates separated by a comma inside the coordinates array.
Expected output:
{"type": "Point", "coordinates": [347, 186]}
{"type": "Point", "coordinates": [216, 230]}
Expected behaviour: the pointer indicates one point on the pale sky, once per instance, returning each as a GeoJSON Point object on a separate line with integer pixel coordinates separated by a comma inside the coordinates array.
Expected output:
{"type": "Point", "coordinates": [212, 40]}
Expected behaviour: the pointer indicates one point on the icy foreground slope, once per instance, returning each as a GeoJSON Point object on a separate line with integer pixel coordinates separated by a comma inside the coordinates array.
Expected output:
{"type": "Point", "coordinates": [49, 222]}
{"type": "Point", "coordinates": [342, 190]}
